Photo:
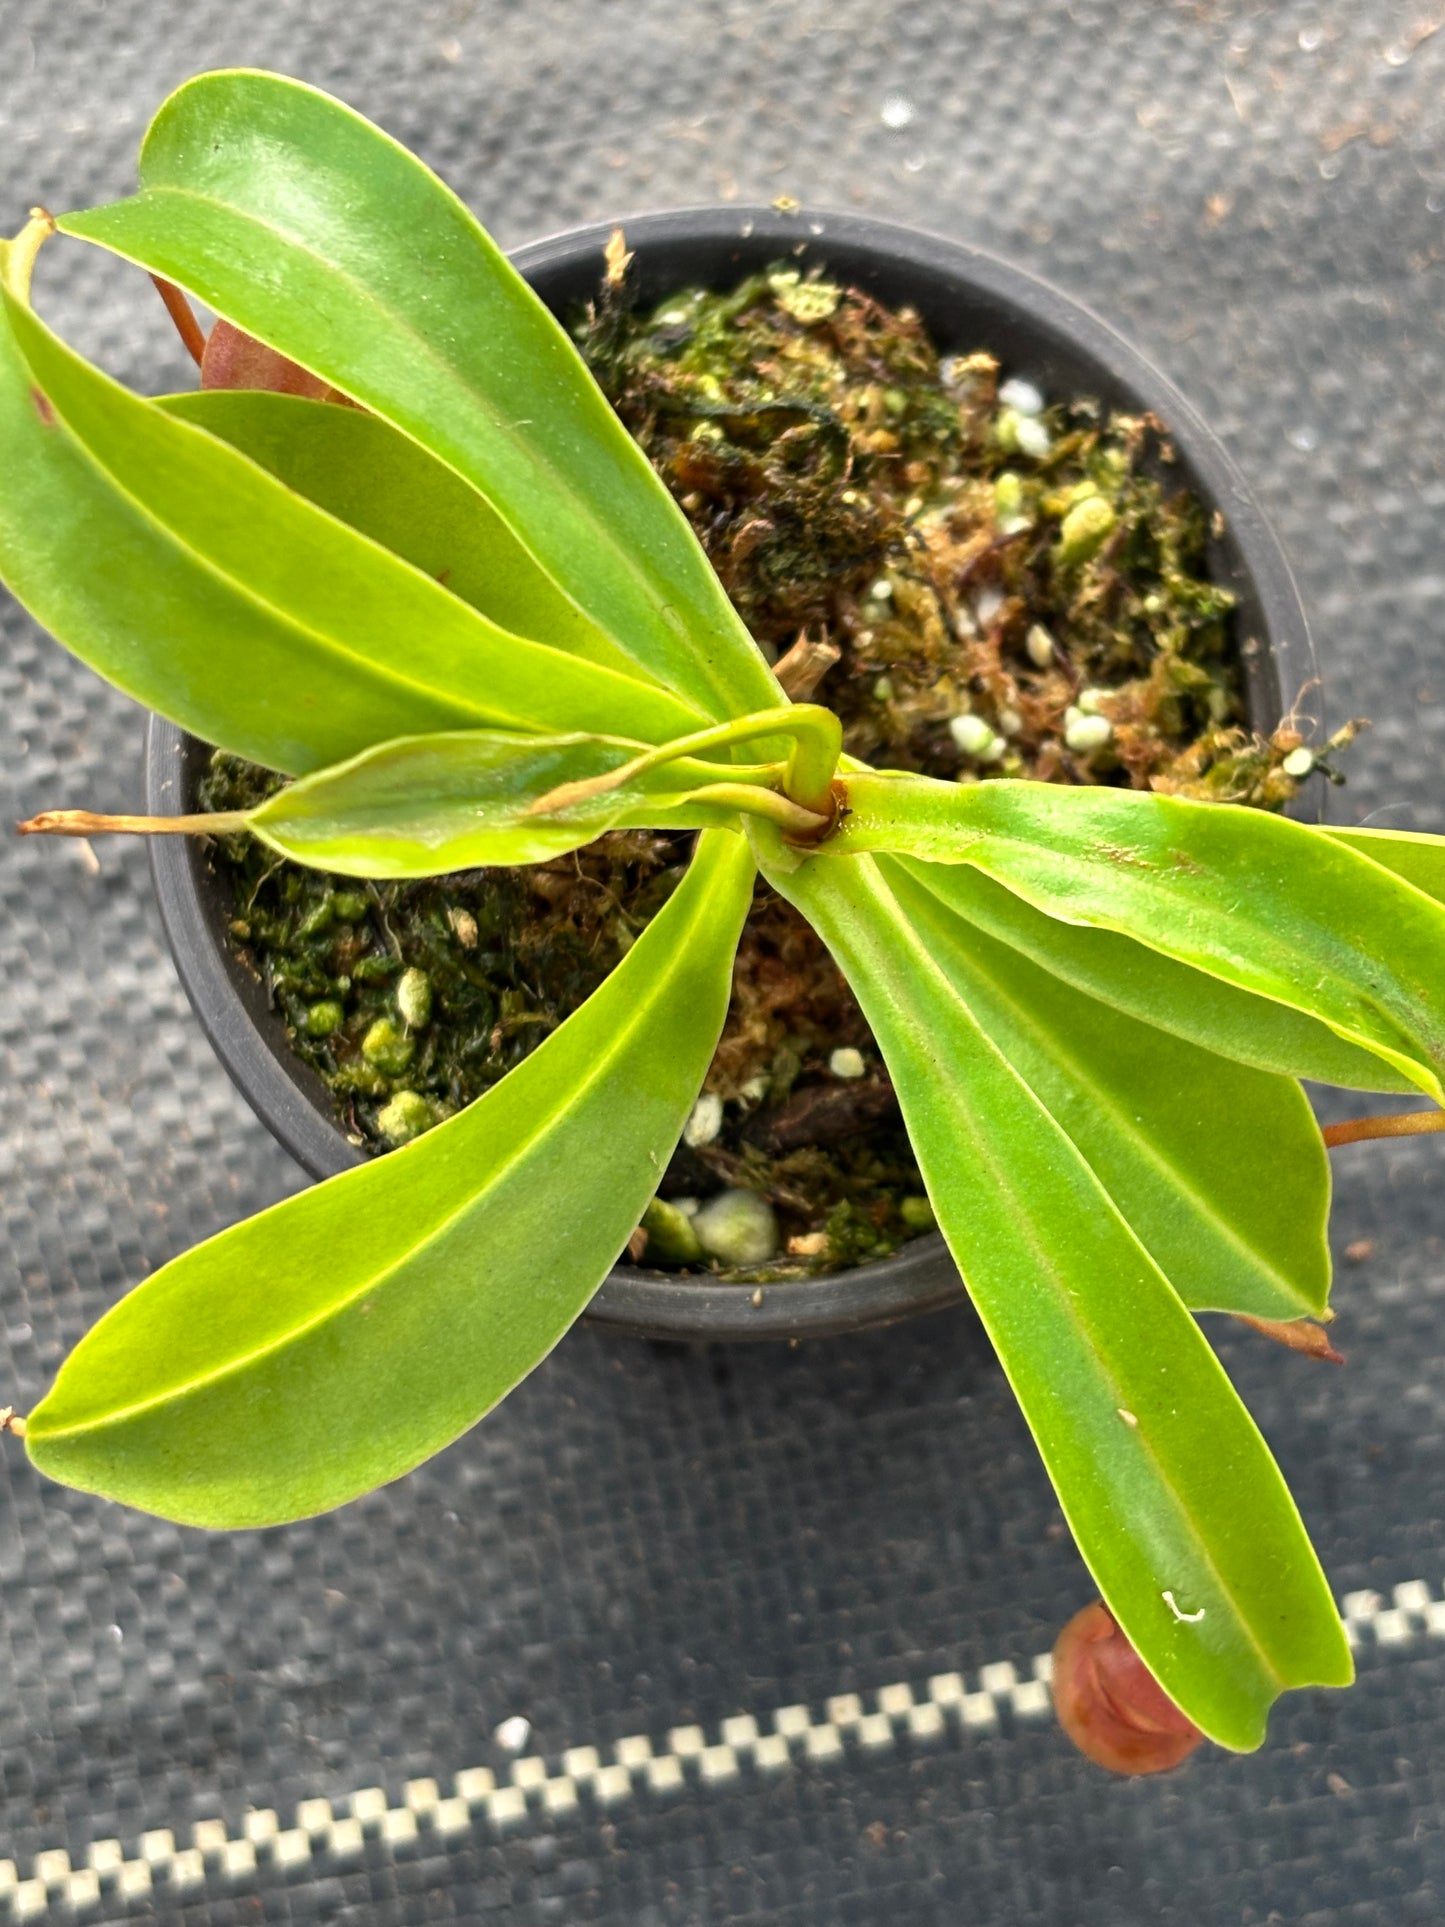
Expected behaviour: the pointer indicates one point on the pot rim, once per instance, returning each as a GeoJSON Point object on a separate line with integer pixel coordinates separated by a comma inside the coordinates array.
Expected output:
{"type": "Point", "coordinates": [919, 1277]}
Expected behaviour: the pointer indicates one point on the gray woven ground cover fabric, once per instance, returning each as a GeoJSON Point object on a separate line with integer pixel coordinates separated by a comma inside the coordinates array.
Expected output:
{"type": "Point", "coordinates": [643, 1545]}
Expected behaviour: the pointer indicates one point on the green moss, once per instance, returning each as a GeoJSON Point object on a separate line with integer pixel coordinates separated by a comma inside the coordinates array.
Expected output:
{"type": "Point", "coordinates": [505, 955]}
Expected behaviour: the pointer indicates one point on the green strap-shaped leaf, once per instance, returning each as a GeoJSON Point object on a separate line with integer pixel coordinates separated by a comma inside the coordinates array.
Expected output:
{"type": "Point", "coordinates": [1412, 854]}
{"type": "Point", "coordinates": [1154, 988]}
{"type": "Point", "coordinates": [460, 800]}
{"type": "Point", "coordinates": [1254, 899]}
{"type": "Point", "coordinates": [377, 480]}
{"type": "Point", "coordinates": [1219, 1169]}
{"type": "Point", "coordinates": [335, 1341]}
{"type": "Point", "coordinates": [202, 586]}
{"type": "Point", "coordinates": [1177, 1506]}
{"type": "Point", "coordinates": [311, 229]}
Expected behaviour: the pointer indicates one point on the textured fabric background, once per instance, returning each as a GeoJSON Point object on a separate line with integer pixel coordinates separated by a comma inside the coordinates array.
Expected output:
{"type": "Point", "coordinates": [640, 1540]}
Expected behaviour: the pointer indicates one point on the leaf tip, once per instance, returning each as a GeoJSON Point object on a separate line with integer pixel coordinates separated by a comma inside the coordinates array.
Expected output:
{"type": "Point", "coordinates": [1303, 1335]}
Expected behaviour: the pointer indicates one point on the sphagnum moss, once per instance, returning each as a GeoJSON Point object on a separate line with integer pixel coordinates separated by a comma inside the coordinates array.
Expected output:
{"type": "Point", "coordinates": [978, 580]}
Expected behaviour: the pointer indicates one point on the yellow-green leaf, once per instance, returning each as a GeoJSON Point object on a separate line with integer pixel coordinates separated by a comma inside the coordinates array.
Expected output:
{"type": "Point", "coordinates": [1256, 900]}
{"type": "Point", "coordinates": [377, 480]}
{"type": "Point", "coordinates": [1180, 1138]}
{"type": "Point", "coordinates": [461, 800]}
{"type": "Point", "coordinates": [1146, 984]}
{"type": "Point", "coordinates": [1176, 1504]}
{"type": "Point", "coordinates": [334, 1342]}
{"type": "Point", "coordinates": [205, 588]}
{"type": "Point", "coordinates": [311, 229]}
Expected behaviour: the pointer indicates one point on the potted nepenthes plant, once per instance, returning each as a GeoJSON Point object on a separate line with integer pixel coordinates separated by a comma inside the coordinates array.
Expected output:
{"type": "Point", "coordinates": [865, 494]}
{"type": "Point", "coordinates": [1094, 1002]}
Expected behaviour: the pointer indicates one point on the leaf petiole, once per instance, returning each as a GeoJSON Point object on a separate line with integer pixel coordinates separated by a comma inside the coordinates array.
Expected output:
{"type": "Point", "coordinates": [192, 334]}
{"type": "Point", "coordinates": [1357, 1130]}
{"type": "Point", "coordinates": [92, 823]}
{"type": "Point", "coordinates": [754, 800]}
{"type": "Point", "coordinates": [807, 778]}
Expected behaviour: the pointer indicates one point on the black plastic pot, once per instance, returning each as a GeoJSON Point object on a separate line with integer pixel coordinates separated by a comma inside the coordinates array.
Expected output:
{"type": "Point", "coordinates": [969, 300]}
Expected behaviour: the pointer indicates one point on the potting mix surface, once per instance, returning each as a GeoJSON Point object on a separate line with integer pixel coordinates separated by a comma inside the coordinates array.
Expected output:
{"type": "Point", "coordinates": [754, 1635]}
